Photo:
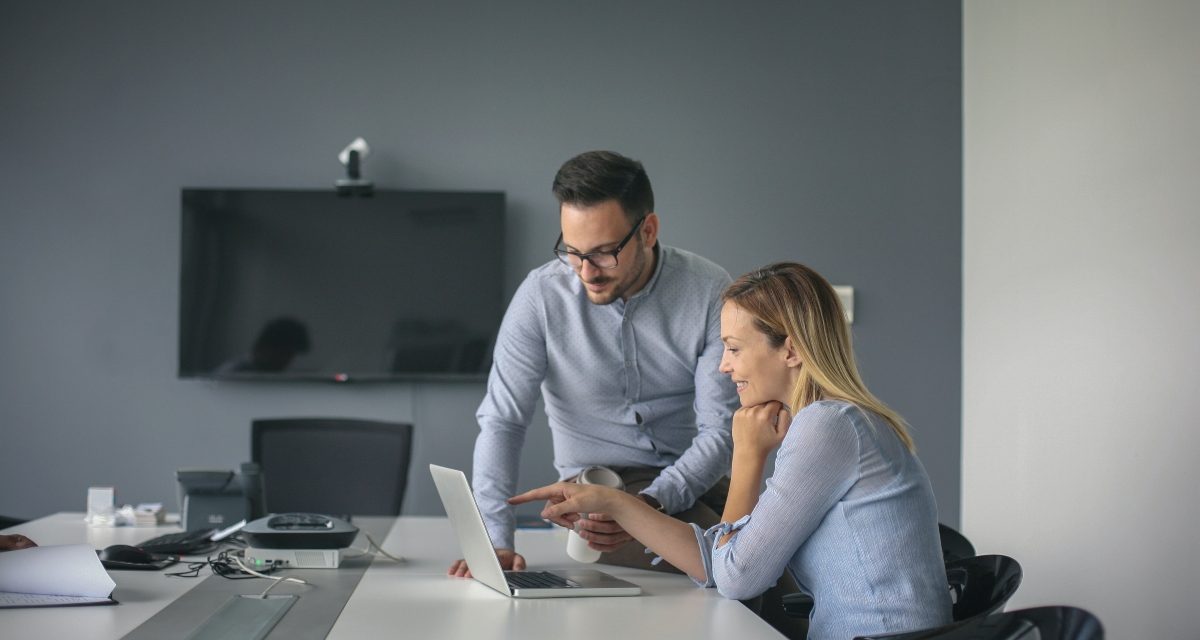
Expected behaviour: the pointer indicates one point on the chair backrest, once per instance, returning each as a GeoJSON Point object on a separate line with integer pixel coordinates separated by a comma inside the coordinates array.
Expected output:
{"type": "Point", "coordinates": [335, 466]}
{"type": "Point", "coordinates": [955, 545]}
{"type": "Point", "coordinates": [982, 584]}
{"type": "Point", "coordinates": [1039, 623]}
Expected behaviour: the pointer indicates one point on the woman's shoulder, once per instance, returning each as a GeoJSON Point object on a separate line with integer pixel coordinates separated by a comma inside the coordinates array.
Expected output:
{"type": "Point", "coordinates": [828, 418]}
{"type": "Point", "coordinates": [836, 417]}
{"type": "Point", "coordinates": [827, 411]}
{"type": "Point", "coordinates": [823, 433]}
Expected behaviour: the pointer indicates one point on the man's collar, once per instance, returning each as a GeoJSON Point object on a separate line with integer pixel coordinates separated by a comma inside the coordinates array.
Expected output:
{"type": "Point", "coordinates": [658, 266]}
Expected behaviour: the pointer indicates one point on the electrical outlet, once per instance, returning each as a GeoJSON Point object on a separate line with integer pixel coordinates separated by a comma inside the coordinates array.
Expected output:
{"type": "Point", "coordinates": [846, 295]}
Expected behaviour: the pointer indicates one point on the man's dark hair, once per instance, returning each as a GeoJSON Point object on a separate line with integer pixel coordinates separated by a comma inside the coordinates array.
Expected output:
{"type": "Point", "coordinates": [597, 176]}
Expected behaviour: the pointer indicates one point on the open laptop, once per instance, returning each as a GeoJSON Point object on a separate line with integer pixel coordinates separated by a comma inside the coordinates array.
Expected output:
{"type": "Point", "coordinates": [477, 549]}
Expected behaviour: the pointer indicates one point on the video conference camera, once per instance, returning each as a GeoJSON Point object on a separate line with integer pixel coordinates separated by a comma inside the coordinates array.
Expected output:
{"type": "Point", "coordinates": [352, 157]}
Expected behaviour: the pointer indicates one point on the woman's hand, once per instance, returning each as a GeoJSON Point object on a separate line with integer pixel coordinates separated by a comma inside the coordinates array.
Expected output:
{"type": "Point", "coordinates": [758, 430]}
{"type": "Point", "coordinates": [565, 501]}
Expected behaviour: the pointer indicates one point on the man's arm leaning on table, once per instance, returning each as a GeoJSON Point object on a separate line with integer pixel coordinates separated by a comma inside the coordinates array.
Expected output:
{"type": "Point", "coordinates": [518, 367]}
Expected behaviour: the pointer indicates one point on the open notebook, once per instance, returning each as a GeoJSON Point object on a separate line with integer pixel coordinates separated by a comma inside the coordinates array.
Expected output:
{"type": "Point", "coordinates": [54, 576]}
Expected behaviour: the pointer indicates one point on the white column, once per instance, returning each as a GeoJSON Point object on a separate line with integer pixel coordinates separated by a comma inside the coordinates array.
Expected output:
{"type": "Point", "coordinates": [1081, 329]}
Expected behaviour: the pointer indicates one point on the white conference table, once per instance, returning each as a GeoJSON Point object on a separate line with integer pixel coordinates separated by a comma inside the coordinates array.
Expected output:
{"type": "Point", "coordinates": [414, 598]}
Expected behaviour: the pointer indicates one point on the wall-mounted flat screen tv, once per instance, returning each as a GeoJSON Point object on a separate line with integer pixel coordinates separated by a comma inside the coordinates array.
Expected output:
{"type": "Point", "coordinates": [307, 285]}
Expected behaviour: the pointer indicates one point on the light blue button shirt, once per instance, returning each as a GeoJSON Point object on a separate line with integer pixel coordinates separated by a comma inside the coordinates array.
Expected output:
{"type": "Point", "coordinates": [850, 512]}
{"type": "Point", "coordinates": [632, 383]}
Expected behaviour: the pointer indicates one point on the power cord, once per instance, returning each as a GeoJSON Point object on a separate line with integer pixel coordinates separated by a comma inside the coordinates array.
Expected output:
{"type": "Point", "coordinates": [374, 549]}
{"type": "Point", "coordinates": [277, 579]}
{"type": "Point", "coordinates": [379, 550]}
{"type": "Point", "coordinates": [228, 564]}
{"type": "Point", "coordinates": [221, 565]}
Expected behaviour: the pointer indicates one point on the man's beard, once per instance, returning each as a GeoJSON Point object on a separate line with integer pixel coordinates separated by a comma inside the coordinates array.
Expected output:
{"type": "Point", "coordinates": [619, 291]}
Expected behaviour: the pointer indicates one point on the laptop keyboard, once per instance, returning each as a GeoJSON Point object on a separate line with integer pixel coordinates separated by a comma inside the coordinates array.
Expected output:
{"type": "Point", "coordinates": [537, 580]}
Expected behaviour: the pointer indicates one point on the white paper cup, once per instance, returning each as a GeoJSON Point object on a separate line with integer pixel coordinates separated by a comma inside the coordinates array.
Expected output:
{"type": "Point", "coordinates": [577, 547]}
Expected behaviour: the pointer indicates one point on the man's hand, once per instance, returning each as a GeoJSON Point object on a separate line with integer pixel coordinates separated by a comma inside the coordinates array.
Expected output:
{"type": "Point", "coordinates": [15, 541]}
{"type": "Point", "coordinates": [509, 561]}
{"type": "Point", "coordinates": [601, 532]}
{"type": "Point", "coordinates": [758, 430]}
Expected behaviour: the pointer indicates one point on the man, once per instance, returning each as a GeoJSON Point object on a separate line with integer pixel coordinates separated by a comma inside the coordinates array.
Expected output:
{"type": "Point", "coordinates": [621, 337]}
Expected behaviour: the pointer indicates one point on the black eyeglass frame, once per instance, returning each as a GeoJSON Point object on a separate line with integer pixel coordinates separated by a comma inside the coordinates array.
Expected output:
{"type": "Point", "coordinates": [565, 256]}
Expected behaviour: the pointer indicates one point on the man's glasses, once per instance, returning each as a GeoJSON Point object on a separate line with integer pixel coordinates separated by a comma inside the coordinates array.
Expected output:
{"type": "Point", "coordinates": [599, 259]}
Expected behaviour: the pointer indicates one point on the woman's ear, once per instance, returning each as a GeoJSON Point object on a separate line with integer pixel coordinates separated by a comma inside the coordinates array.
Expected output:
{"type": "Point", "coordinates": [791, 355]}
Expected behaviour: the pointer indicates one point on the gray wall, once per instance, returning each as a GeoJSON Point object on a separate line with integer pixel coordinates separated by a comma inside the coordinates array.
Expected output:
{"type": "Point", "coordinates": [827, 133]}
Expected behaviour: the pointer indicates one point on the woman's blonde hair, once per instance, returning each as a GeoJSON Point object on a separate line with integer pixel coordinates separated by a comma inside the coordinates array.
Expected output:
{"type": "Point", "coordinates": [790, 300]}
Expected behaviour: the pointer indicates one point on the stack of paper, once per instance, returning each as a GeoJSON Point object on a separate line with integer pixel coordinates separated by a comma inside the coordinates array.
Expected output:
{"type": "Point", "coordinates": [148, 514]}
{"type": "Point", "coordinates": [54, 576]}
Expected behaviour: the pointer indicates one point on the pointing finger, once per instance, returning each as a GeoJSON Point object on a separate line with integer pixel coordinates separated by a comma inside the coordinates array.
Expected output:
{"type": "Point", "coordinates": [541, 493]}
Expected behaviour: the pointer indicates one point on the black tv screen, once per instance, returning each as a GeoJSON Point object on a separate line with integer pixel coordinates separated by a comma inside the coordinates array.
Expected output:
{"type": "Point", "coordinates": [308, 285]}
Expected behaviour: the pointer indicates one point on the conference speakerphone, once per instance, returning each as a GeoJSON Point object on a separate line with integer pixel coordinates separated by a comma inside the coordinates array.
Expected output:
{"type": "Point", "coordinates": [259, 559]}
{"type": "Point", "coordinates": [299, 531]}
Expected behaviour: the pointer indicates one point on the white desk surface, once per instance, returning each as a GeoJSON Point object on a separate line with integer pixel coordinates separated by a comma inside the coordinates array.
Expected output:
{"type": "Point", "coordinates": [413, 599]}
{"type": "Point", "coordinates": [141, 593]}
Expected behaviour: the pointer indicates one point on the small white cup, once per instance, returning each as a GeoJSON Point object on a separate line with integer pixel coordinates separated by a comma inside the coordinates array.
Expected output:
{"type": "Point", "coordinates": [101, 509]}
{"type": "Point", "coordinates": [577, 547]}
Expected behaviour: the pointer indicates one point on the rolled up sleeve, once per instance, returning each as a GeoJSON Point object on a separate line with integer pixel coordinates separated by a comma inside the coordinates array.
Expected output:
{"type": "Point", "coordinates": [707, 540]}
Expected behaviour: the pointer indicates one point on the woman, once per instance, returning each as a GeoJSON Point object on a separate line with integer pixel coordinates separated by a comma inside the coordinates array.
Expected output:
{"type": "Point", "coordinates": [849, 509]}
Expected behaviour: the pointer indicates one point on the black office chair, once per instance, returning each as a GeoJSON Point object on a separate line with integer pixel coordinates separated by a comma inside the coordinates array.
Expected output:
{"type": "Point", "coordinates": [334, 466]}
{"type": "Point", "coordinates": [797, 605]}
{"type": "Point", "coordinates": [979, 587]}
{"type": "Point", "coordinates": [955, 546]}
{"type": "Point", "coordinates": [982, 584]}
{"type": "Point", "coordinates": [1039, 623]}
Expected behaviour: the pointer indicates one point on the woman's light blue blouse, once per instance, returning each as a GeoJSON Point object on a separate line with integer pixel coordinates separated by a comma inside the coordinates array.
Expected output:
{"type": "Point", "coordinates": [850, 512]}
